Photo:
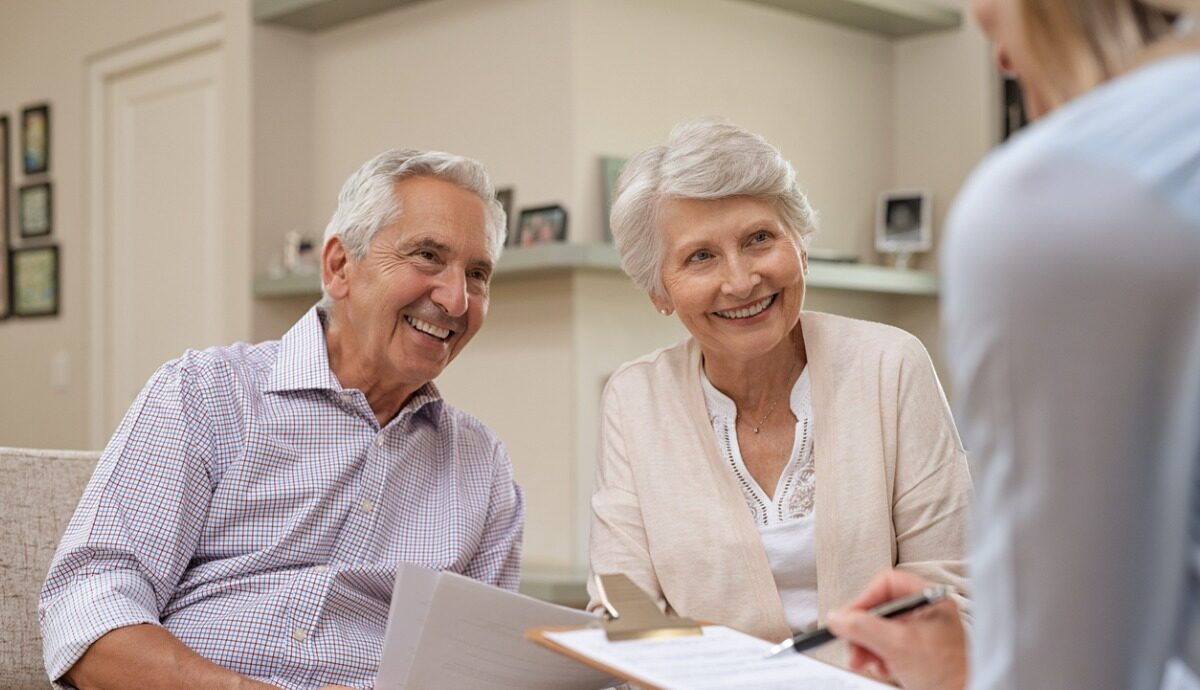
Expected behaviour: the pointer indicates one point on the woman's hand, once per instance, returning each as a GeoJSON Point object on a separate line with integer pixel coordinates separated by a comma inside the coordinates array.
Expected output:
{"type": "Point", "coordinates": [923, 650]}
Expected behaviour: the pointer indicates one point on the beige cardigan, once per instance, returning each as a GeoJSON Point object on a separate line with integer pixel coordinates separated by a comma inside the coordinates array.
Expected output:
{"type": "Point", "coordinates": [892, 481]}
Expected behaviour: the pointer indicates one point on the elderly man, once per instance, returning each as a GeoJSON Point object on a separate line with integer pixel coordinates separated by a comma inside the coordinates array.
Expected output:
{"type": "Point", "coordinates": [245, 523]}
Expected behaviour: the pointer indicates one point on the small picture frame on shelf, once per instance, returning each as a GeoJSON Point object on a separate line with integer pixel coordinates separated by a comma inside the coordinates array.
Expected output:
{"type": "Point", "coordinates": [610, 170]}
{"type": "Point", "coordinates": [904, 224]}
{"type": "Point", "coordinates": [35, 209]}
{"type": "Point", "coordinates": [35, 139]}
{"type": "Point", "coordinates": [505, 196]}
{"type": "Point", "coordinates": [34, 280]}
{"type": "Point", "coordinates": [540, 226]}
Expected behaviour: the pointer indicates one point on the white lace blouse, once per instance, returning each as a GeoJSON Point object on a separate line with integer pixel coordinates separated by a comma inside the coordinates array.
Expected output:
{"type": "Point", "coordinates": [785, 521]}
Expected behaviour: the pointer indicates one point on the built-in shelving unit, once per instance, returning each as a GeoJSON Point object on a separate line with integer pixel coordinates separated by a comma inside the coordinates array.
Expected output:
{"type": "Point", "coordinates": [560, 258]}
{"type": "Point", "coordinates": [890, 18]}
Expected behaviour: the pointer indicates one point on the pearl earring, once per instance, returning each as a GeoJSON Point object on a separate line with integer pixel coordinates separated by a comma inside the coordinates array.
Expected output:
{"type": "Point", "coordinates": [664, 312]}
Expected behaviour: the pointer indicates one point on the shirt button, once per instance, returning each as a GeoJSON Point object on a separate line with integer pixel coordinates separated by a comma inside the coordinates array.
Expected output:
{"type": "Point", "coordinates": [347, 396]}
{"type": "Point", "coordinates": [366, 506]}
{"type": "Point", "coordinates": [379, 439]}
{"type": "Point", "coordinates": [320, 568]}
{"type": "Point", "coordinates": [299, 635]}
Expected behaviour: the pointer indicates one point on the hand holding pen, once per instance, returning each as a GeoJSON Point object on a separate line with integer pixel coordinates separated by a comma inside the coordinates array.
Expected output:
{"type": "Point", "coordinates": [922, 652]}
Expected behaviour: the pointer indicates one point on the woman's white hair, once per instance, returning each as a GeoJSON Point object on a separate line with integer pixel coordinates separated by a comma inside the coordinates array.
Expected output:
{"type": "Point", "coordinates": [368, 201]}
{"type": "Point", "coordinates": [705, 158]}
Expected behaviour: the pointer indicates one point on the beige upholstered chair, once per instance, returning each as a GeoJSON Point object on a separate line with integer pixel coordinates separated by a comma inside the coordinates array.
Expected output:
{"type": "Point", "coordinates": [39, 490]}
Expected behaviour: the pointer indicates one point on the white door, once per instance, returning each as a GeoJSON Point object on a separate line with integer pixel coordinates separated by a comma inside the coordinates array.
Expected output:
{"type": "Point", "coordinates": [158, 144]}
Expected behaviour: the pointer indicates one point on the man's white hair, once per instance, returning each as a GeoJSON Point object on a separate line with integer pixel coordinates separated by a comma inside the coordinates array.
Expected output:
{"type": "Point", "coordinates": [705, 158]}
{"type": "Point", "coordinates": [368, 201]}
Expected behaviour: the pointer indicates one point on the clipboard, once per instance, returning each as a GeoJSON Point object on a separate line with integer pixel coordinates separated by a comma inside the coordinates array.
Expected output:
{"type": "Point", "coordinates": [629, 614]}
{"type": "Point", "coordinates": [663, 652]}
{"type": "Point", "coordinates": [538, 636]}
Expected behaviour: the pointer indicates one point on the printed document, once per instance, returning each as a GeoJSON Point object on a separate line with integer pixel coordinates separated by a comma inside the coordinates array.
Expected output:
{"type": "Point", "coordinates": [450, 632]}
{"type": "Point", "coordinates": [720, 658]}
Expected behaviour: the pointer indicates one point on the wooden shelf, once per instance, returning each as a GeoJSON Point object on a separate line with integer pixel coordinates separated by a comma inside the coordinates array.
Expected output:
{"type": "Point", "coordinates": [315, 15]}
{"type": "Point", "coordinates": [563, 589]}
{"type": "Point", "coordinates": [549, 259]}
{"type": "Point", "coordinates": [890, 18]}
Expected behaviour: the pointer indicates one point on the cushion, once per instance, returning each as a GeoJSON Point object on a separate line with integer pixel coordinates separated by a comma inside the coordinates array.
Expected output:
{"type": "Point", "coordinates": [39, 490]}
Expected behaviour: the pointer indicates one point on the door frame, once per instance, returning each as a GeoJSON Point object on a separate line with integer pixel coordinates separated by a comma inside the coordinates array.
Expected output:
{"type": "Point", "coordinates": [175, 44]}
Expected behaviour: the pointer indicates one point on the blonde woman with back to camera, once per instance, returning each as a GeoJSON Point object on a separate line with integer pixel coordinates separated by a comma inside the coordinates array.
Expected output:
{"type": "Point", "coordinates": [759, 473]}
{"type": "Point", "coordinates": [1071, 319]}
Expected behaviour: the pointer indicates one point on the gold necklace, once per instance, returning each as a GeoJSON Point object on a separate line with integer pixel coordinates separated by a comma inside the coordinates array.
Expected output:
{"type": "Point", "coordinates": [770, 409]}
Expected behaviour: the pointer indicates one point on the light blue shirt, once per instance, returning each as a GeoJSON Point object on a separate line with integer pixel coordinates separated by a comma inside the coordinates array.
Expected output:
{"type": "Point", "coordinates": [255, 509]}
{"type": "Point", "coordinates": [1072, 331]}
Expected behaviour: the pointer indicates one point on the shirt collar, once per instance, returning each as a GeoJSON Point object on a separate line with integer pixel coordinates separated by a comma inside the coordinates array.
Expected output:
{"type": "Point", "coordinates": [722, 405]}
{"type": "Point", "coordinates": [302, 363]}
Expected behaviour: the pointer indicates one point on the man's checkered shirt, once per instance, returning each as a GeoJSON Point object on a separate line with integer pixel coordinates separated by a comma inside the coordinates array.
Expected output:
{"type": "Point", "coordinates": [254, 508]}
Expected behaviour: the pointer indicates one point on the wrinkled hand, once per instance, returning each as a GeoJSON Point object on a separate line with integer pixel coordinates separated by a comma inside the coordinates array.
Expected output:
{"type": "Point", "coordinates": [922, 650]}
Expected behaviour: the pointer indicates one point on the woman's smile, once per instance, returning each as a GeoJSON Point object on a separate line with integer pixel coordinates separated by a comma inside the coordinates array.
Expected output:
{"type": "Point", "coordinates": [748, 311]}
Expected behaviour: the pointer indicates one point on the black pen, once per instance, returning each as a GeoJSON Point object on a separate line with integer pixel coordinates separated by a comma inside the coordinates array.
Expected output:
{"type": "Point", "coordinates": [896, 607]}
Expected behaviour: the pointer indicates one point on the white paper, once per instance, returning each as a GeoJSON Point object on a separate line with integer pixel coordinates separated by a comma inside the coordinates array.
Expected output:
{"type": "Point", "coordinates": [720, 658]}
{"type": "Point", "coordinates": [450, 632]}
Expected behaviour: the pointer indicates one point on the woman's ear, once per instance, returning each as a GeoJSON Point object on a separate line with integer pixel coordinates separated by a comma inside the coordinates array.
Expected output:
{"type": "Point", "coordinates": [334, 264]}
{"type": "Point", "coordinates": [662, 304]}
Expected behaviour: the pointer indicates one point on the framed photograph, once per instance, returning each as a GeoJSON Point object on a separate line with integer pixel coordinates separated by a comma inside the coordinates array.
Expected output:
{"type": "Point", "coordinates": [610, 170]}
{"type": "Point", "coordinates": [5, 186]}
{"type": "Point", "coordinates": [33, 276]}
{"type": "Point", "coordinates": [904, 222]}
{"type": "Point", "coordinates": [505, 197]}
{"type": "Point", "coordinates": [35, 139]}
{"type": "Point", "coordinates": [1013, 117]}
{"type": "Point", "coordinates": [35, 210]}
{"type": "Point", "coordinates": [541, 225]}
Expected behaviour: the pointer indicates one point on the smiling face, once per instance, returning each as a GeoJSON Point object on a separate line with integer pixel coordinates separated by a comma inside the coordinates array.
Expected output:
{"type": "Point", "coordinates": [417, 297]}
{"type": "Point", "coordinates": [1003, 24]}
{"type": "Point", "coordinates": [733, 274]}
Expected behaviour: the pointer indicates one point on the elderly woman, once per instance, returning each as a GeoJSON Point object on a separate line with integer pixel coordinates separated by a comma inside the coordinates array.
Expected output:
{"type": "Point", "coordinates": [760, 472]}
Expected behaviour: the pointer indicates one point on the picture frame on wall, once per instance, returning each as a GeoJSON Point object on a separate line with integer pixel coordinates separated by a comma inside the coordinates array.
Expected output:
{"type": "Point", "coordinates": [35, 139]}
{"type": "Point", "coordinates": [35, 210]}
{"type": "Point", "coordinates": [1013, 116]}
{"type": "Point", "coordinates": [34, 281]}
{"type": "Point", "coordinates": [5, 213]}
{"type": "Point", "coordinates": [540, 225]}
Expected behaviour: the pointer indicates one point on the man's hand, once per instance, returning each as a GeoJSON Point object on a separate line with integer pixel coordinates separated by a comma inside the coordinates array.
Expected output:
{"type": "Point", "coordinates": [923, 650]}
{"type": "Point", "coordinates": [142, 656]}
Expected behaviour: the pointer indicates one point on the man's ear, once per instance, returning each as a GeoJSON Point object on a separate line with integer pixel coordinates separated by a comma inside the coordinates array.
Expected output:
{"type": "Point", "coordinates": [334, 266]}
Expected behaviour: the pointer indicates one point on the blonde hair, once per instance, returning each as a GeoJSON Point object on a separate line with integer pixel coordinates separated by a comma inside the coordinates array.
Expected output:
{"type": "Point", "coordinates": [1078, 44]}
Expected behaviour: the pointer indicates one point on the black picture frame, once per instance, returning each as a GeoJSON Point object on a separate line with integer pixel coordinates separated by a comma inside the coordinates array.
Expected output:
{"type": "Point", "coordinates": [505, 196]}
{"type": "Point", "coordinates": [33, 223]}
{"type": "Point", "coordinates": [540, 225]}
{"type": "Point", "coordinates": [27, 279]}
{"type": "Point", "coordinates": [35, 139]}
{"type": "Point", "coordinates": [1013, 117]}
{"type": "Point", "coordinates": [5, 211]}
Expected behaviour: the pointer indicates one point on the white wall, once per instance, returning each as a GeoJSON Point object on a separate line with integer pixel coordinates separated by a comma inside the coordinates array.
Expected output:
{"type": "Point", "coordinates": [821, 93]}
{"type": "Point", "coordinates": [45, 48]}
{"type": "Point", "coordinates": [538, 90]}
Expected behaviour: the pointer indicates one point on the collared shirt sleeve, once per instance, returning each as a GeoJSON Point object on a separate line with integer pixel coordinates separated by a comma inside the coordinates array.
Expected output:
{"type": "Point", "coordinates": [136, 526]}
{"type": "Point", "coordinates": [498, 560]}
